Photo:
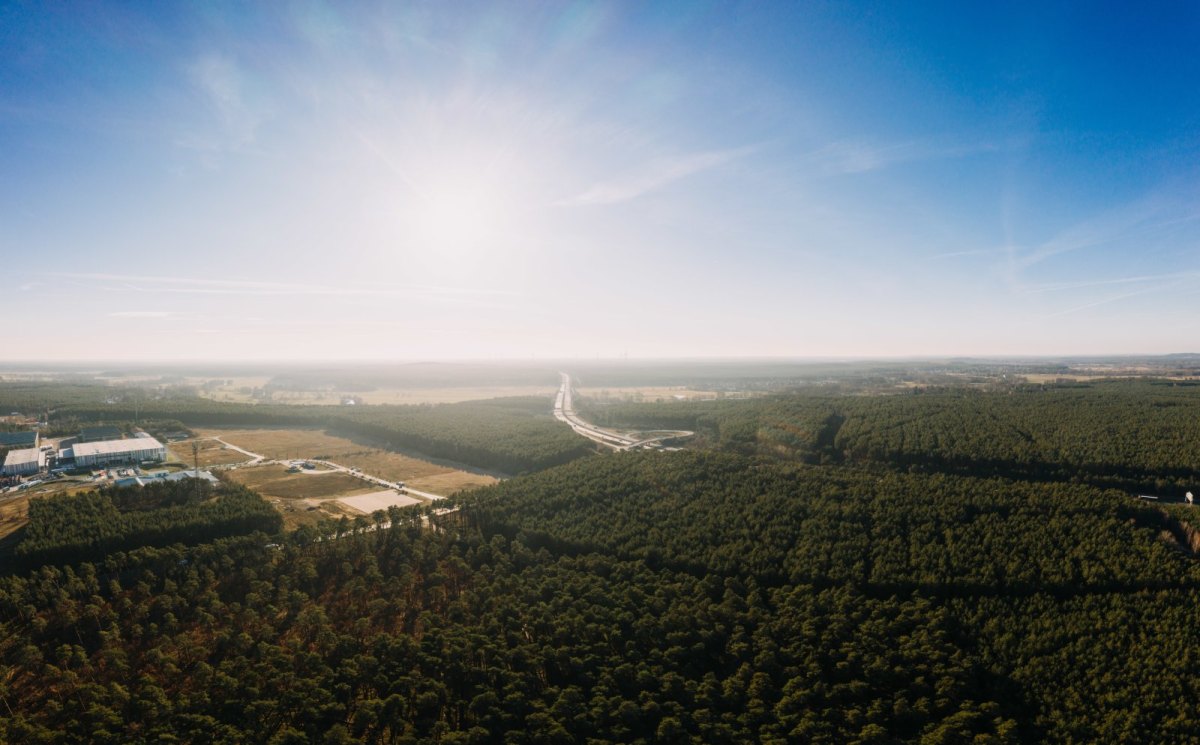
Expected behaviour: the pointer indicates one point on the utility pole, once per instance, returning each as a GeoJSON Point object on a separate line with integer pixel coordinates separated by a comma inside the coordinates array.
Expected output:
{"type": "Point", "coordinates": [196, 462]}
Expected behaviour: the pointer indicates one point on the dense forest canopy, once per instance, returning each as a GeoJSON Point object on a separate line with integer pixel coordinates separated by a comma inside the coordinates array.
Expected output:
{"type": "Point", "coordinates": [89, 526]}
{"type": "Point", "coordinates": [1119, 432]}
{"type": "Point", "coordinates": [936, 567]}
{"type": "Point", "coordinates": [512, 435]}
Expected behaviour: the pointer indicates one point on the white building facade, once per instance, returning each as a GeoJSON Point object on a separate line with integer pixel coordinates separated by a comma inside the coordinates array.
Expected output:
{"type": "Point", "coordinates": [24, 462]}
{"type": "Point", "coordinates": [133, 450]}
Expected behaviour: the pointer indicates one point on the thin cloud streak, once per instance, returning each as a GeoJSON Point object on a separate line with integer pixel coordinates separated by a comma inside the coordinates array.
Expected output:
{"type": "Point", "coordinates": [849, 157]}
{"type": "Point", "coordinates": [187, 285]}
{"type": "Point", "coordinates": [1061, 286]}
{"type": "Point", "coordinates": [220, 81]}
{"type": "Point", "coordinates": [657, 175]}
{"type": "Point", "coordinates": [1110, 228]}
{"type": "Point", "coordinates": [1103, 301]}
{"type": "Point", "coordinates": [143, 314]}
{"type": "Point", "coordinates": [968, 252]}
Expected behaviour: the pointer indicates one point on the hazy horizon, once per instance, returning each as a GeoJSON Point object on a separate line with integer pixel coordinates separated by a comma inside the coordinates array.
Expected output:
{"type": "Point", "coordinates": [536, 182]}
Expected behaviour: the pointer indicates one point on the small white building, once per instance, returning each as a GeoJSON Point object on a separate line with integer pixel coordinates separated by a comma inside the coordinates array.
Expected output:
{"type": "Point", "coordinates": [24, 462]}
{"type": "Point", "coordinates": [133, 450]}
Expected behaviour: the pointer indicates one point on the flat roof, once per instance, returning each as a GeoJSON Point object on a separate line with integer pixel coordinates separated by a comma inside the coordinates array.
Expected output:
{"type": "Point", "coordinates": [18, 438]}
{"type": "Point", "coordinates": [30, 455]}
{"type": "Point", "coordinates": [107, 447]}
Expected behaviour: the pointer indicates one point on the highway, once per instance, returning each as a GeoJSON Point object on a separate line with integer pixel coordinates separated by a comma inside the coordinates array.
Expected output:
{"type": "Point", "coordinates": [564, 411]}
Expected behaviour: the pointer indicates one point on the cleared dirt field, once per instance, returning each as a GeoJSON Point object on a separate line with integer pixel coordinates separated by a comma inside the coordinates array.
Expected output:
{"type": "Point", "coordinates": [237, 393]}
{"type": "Point", "coordinates": [274, 481]}
{"type": "Point", "coordinates": [311, 443]}
{"type": "Point", "coordinates": [212, 453]}
{"type": "Point", "coordinates": [393, 466]}
{"type": "Point", "coordinates": [287, 443]}
{"type": "Point", "coordinates": [297, 512]}
{"type": "Point", "coordinates": [380, 500]}
{"type": "Point", "coordinates": [647, 394]}
{"type": "Point", "coordinates": [14, 510]}
{"type": "Point", "coordinates": [13, 514]}
{"type": "Point", "coordinates": [450, 483]}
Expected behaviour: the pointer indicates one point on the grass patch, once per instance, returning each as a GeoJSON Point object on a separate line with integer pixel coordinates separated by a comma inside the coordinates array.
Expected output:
{"type": "Point", "coordinates": [212, 453]}
{"type": "Point", "coordinates": [275, 481]}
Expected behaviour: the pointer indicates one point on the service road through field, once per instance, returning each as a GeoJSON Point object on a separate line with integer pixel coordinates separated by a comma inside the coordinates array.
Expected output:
{"type": "Point", "coordinates": [309, 474]}
{"type": "Point", "coordinates": [379, 500]}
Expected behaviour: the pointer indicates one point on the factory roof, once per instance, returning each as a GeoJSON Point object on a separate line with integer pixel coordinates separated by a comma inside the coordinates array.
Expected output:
{"type": "Point", "coordinates": [8, 439]}
{"type": "Point", "coordinates": [31, 455]}
{"type": "Point", "coordinates": [105, 447]}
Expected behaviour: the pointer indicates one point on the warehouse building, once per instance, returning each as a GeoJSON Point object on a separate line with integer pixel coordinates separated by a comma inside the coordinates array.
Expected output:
{"type": "Point", "coordinates": [24, 462]}
{"type": "Point", "coordinates": [19, 439]}
{"type": "Point", "coordinates": [135, 450]}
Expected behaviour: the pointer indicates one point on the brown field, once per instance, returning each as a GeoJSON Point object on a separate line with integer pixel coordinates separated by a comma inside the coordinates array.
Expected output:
{"type": "Point", "coordinates": [274, 481]}
{"type": "Point", "coordinates": [297, 512]}
{"type": "Point", "coordinates": [450, 483]}
{"type": "Point", "coordinates": [1048, 378]}
{"type": "Point", "coordinates": [287, 444]}
{"type": "Point", "coordinates": [212, 453]}
{"type": "Point", "coordinates": [309, 443]}
{"type": "Point", "coordinates": [647, 394]}
{"type": "Point", "coordinates": [379, 396]}
{"type": "Point", "coordinates": [392, 466]}
{"type": "Point", "coordinates": [379, 500]}
{"type": "Point", "coordinates": [13, 514]}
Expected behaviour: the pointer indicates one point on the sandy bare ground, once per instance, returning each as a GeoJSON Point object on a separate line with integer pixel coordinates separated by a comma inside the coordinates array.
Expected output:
{"type": "Point", "coordinates": [379, 500]}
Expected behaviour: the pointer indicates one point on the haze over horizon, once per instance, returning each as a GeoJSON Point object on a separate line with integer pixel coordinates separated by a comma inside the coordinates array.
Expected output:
{"type": "Point", "coordinates": [519, 180]}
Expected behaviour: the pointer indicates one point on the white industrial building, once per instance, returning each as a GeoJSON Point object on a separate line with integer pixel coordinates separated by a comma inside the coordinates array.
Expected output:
{"type": "Point", "coordinates": [134, 450]}
{"type": "Point", "coordinates": [24, 462]}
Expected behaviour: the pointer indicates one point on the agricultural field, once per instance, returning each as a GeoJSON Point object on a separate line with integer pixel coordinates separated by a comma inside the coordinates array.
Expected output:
{"type": "Point", "coordinates": [14, 513]}
{"type": "Point", "coordinates": [450, 482]}
{"type": "Point", "coordinates": [379, 500]}
{"type": "Point", "coordinates": [211, 453]}
{"type": "Point", "coordinates": [302, 498]}
{"type": "Point", "coordinates": [274, 481]}
{"type": "Point", "coordinates": [242, 393]}
{"type": "Point", "coordinates": [14, 510]}
{"type": "Point", "coordinates": [647, 394]}
{"type": "Point", "coordinates": [287, 444]}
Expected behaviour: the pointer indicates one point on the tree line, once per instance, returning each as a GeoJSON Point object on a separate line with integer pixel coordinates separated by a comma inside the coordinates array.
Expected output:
{"type": "Point", "coordinates": [1126, 434]}
{"type": "Point", "coordinates": [512, 435]}
{"type": "Point", "coordinates": [90, 525]}
{"type": "Point", "coordinates": [633, 598]}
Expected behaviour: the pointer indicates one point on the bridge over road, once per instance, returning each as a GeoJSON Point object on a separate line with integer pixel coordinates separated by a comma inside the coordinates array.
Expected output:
{"type": "Point", "coordinates": [564, 411]}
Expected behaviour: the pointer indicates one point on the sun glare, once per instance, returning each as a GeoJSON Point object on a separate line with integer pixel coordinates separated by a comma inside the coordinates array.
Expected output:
{"type": "Point", "coordinates": [461, 214]}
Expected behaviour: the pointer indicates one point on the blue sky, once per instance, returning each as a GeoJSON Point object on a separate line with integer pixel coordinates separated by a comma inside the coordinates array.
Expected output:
{"type": "Point", "coordinates": [450, 180]}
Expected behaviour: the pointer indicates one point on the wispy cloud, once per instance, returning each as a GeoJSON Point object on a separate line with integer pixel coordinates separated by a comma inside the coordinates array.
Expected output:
{"type": "Point", "coordinates": [861, 156]}
{"type": "Point", "coordinates": [197, 286]}
{"type": "Point", "coordinates": [1153, 289]}
{"type": "Point", "coordinates": [966, 252]}
{"type": "Point", "coordinates": [220, 83]}
{"type": "Point", "coordinates": [143, 314]}
{"type": "Point", "coordinates": [1170, 279]}
{"type": "Point", "coordinates": [656, 175]}
{"type": "Point", "coordinates": [1140, 218]}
